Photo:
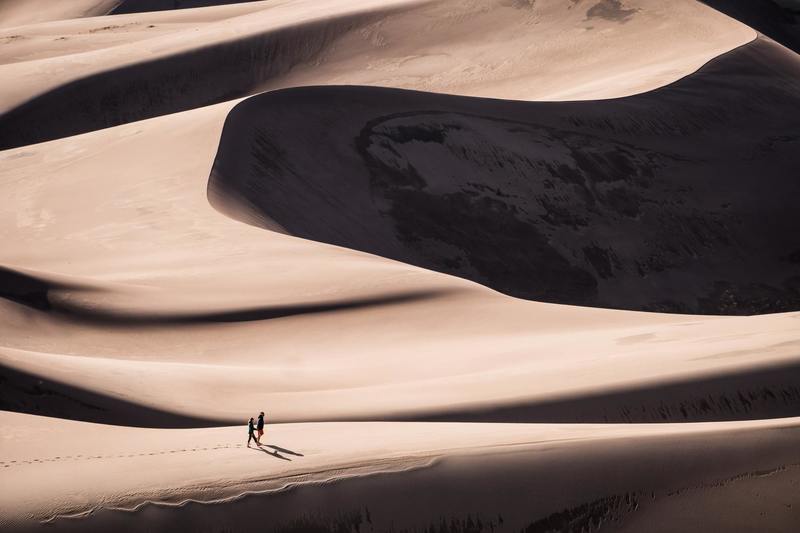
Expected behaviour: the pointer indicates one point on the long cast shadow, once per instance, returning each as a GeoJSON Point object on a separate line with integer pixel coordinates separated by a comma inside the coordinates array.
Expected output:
{"type": "Point", "coordinates": [180, 82]}
{"type": "Point", "coordinates": [23, 392]}
{"type": "Point", "coordinates": [274, 454]}
{"type": "Point", "coordinates": [284, 450]}
{"type": "Point", "coordinates": [38, 293]}
{"type": "Point", "coordinates": [141, 6]}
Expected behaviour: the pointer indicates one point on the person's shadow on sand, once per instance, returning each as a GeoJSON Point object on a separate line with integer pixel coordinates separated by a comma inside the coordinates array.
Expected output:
{"type": "Point", "coordinates": [276, 451]}
{"type": "Point", "coordinates": [283, 450]}
{"type": "Point", "coordinates": [270, 453]}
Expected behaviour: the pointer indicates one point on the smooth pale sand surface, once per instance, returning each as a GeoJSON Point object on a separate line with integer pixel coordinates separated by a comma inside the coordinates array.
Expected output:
{"type": "Point", "coordinates": [117, 467]}
{"type": "Point", "coordinates": [145, 294]}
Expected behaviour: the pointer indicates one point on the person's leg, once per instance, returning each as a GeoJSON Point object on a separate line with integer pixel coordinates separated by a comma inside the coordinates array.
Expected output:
{"type": "Point", "coordinates": [260, 434]}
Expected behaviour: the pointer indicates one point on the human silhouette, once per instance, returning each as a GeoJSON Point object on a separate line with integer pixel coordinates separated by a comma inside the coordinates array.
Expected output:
{"type": "Point", "coordinates": [260, 428]}
{"type": "Point", "coordinates": [251, 432]}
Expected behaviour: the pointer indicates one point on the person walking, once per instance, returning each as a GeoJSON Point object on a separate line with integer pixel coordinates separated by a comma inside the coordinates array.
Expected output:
{"type": "Point", "coordinates": [260, 428]}
{"type": "Point", "coordinates": [251, 432]}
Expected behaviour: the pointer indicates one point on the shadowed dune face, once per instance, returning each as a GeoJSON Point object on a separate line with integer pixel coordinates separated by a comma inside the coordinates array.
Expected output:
{"type": "Point", "coordinates": [28, 393]}
{"type": "Point", "coordinates": [762, 393]}
{"type": "Point", "coordinates": [19, 12]}
{"type": "Point", "coordinates": [138, 6]}
{"type": "Point", "coordinates": [653, 202]}
{"type": "Point", "coordinates": [777, 19]}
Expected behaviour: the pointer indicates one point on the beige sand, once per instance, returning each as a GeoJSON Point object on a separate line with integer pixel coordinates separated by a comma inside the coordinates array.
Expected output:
{"type": "Point", "coordinates": [172, 468]}
{"type": "Point", "coordinates": [130, 300]}
{"type": "Point", "coordinates": [19, 12]}
{"type": "Point", "coordinates": [544, 50]}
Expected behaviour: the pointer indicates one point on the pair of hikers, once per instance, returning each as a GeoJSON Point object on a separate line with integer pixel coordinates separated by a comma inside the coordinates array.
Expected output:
{"type": "Point", "coordinates": [252, 427]}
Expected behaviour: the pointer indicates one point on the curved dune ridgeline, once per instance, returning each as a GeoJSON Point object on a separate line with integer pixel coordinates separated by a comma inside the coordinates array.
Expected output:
{"type": "Point", "coordinates": [178, 82]}
{"type": "Point", "coordinates": [777, 19]}
{"type": "Point", "coordinates": [138, 6]}
{"type": "Point", "coordinates": [178, 60]}
{"type": "Point", "coordinates": [653, 202]}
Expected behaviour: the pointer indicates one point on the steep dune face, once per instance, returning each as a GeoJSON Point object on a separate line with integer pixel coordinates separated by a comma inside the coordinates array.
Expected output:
{"type": "Point", "coordinates": [137, 6]}
{"type": "Point", "coordinates": [543, 50]}
{"type": "Point", "coordinates": [777, 19]}
{"type": "Point", "coordinates": [644, 203]}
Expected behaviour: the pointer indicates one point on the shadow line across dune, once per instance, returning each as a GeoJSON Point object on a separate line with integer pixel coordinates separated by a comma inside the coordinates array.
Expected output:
{"type": "Point", "coordinates": [182, 81]}
{"type": "Point", "coordinates": [753, 394]}
{"type": "Point", "coordinates": [41, 294]}
{"type": "Point", "coordinates": [24, 392]}
{"type": "Point", "coordinates": [745, 394]}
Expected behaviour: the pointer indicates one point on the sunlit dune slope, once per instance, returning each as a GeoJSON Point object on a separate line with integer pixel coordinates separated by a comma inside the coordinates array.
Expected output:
{"type": "Point", "coordinates": [405, 474]}
{"type": "Point", "coordinates": [60, 42]}
{"type": "Point", "coordinates": [549, 49]}
{"type": "Point", "coordinates": [20, 12]}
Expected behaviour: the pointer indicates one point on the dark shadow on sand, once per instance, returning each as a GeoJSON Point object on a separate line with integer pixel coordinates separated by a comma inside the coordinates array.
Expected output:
{"type": "Point", "coordinates": [38, 293]}
{"type": "Point", "coordinates": [274, 454]}
{"type": "Point", "coordinates": [23, 392]}
{"type": "Point", "coordinates": [283, 450]}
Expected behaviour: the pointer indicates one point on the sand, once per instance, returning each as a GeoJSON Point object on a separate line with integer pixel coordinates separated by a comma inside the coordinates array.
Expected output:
{"type": "Point", "coordinates": [162, 280]}
{"type": "Point", "coordinates": [318, 471]}
{"type": "Point", "coordinates": [544, 50]}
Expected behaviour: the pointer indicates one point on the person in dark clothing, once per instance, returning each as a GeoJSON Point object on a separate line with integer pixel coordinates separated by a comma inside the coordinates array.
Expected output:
{"type": "Point", "coordinates": [260, 428]}
{"type": "Point", "coordinates": [251, 432]}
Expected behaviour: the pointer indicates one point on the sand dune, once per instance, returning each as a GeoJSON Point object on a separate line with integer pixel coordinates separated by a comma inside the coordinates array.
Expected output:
{"type": "Point", "coordinates": [328, 319]}
{"type": "Point", "coordinates": [570, 475]}
{"type": "Point", "coordinates": [346, 257]}
{"type": "Point", "coordinates": [540, 51]}
{"type": "Point", "coordinates": [778, 19]}
{"type": "Point", "coordinates": [639, 203]}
